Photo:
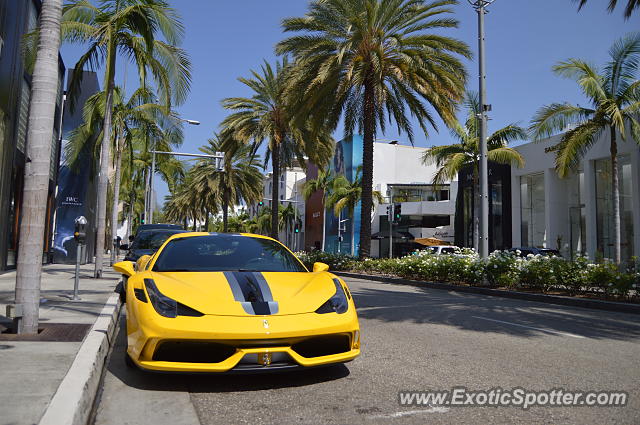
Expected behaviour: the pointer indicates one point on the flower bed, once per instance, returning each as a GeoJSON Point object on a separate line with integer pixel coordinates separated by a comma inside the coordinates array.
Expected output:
{"type": "Point", "coordinates": [502, 269]}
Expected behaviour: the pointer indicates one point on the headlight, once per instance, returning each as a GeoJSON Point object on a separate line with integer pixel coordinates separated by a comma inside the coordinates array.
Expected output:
{"type": "Point", "coordinates": [337, 303]}
{"type": "Point", "coordinates": [164, 305]}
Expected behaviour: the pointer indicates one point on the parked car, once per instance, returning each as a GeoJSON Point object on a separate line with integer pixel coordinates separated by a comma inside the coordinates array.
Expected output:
{"type": "Point", "coordinates": [156, 226]}
{"type": "Point", "coordinates": [441, 249]}
{"type": "Point", "coordinates": [240, 303]}
{"type": "Point", "coordinates": [523, 251]}
{"type": "Point", "coordinates": [147, 242]}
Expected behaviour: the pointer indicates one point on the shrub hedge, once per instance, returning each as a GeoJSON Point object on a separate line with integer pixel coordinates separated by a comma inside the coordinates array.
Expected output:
{"type": "Point", "coordinates": [500, 269]}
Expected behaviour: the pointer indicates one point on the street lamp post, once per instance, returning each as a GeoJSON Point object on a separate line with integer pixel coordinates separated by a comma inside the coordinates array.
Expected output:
{"type": "Point", "coordinates": [153, 171]}
{"type": "Point", "coordinates": [218, 156]}
{"type": "Point", "coordinates": [483, 240]}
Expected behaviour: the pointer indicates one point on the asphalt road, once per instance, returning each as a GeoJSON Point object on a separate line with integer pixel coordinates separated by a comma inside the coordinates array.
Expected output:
{"type": "Point", "coordinates": [413, 339]}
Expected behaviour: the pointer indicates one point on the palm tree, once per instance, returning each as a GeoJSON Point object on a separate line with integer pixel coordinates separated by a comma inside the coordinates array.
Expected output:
{"type": "Point", "coordinates": [323, 183]}
{"type": "Point", "coordinates": [138, 112]}
{"type": "Point", "coordinates": [366, 60]}
{"type": "Point", "coordinates": [614, 95]}
{"type": "Point", "coordinates": [44, 94]}
{"type": "Point", "coordinates": [266, 115]}
{"type": "Point", "coordinates": [239, 179]}
{"type": "Point", "coordinates": [346, 194]}
{"type": "Point", "coordinates": [130, 28]}
{"type": "Point", "coordinates": [628, 10]}
{"type": "Point", "coordinates": [290, 217]}
{"type": "Point", "coordinates": [451, 159]}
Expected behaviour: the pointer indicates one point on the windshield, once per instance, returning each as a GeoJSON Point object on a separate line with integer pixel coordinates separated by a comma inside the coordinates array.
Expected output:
{"type": "Point", "coordinates": [152, 239]}
{"type": "Point", "coordinates": [226, 253]}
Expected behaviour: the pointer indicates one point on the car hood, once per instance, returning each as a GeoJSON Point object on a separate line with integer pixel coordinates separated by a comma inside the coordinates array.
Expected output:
{"type": "Point", "coordinates": [247, 293]}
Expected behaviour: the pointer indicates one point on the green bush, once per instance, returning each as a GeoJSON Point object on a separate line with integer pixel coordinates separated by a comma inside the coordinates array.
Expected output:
{"type": "Point", "coordinates": [336, 262]}
{"type": "Point", "coordinates": [502, 269]}
{"type": "Point", "coordinates": [538, 272]}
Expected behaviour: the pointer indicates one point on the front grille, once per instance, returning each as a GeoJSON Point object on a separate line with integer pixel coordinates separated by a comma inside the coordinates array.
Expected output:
{"type": "Point", "coordinates": [192, 352]}
{"type": "Point", "coordinates": [323, 345]}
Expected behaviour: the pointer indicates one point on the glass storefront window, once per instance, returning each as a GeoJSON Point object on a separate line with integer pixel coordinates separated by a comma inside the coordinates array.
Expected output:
{"type": "Point", "coordinates": [604, 207]}
{"type": "Point", "coordinates": [532, 207]}
{"type": "Point", "coordinates": [577, 214]}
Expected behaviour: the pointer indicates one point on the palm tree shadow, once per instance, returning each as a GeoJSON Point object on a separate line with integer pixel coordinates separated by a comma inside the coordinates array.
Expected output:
{"type": "Point", "coordinates": [484, 313]}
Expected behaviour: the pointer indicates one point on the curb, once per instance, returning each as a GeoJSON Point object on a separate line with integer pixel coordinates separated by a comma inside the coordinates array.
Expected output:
{"type": "Point", "coordinates": [543, 298]}
{"type": "Point", "coordinates": [73, 401]}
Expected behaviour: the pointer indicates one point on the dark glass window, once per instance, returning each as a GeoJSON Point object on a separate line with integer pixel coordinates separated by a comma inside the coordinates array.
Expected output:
{"type": "Point", "coordinates": [152, 239]}
{"type": "Point", "coordinates": [226, 253]}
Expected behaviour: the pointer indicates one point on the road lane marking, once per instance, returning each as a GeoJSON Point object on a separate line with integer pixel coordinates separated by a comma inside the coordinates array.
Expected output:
{"type": "Point", "coordinates": [435, 409]}
{"type": "Point", "coordinates": [530, 327]}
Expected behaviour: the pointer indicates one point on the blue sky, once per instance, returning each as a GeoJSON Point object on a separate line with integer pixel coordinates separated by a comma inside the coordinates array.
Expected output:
{"type": "Point", "coordinates": [524, 39]}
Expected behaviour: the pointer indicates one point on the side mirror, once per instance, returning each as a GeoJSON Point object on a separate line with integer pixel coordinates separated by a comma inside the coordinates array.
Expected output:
{"type": "Point", "coordinates": [124, 246]}
{"type": "Point", "coordinates": [320, 267]}
{"type": "Point", "coordinates": [142, 262]}
{"type": "Point", "coordinates": [125, 267]}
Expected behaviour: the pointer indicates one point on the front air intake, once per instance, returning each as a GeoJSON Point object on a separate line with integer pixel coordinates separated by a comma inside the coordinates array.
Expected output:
{"type": "Point", "coordinates": [323, 345]}
{"type": "Point", "coordinates": [192, 352]}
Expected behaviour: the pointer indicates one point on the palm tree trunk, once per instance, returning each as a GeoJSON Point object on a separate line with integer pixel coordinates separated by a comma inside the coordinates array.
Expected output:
{"type": "Point", "coordinates": [103, 178]}
{"type": "Point", "coordinates": [206, 220]}
{"type": "Point", "coordinates": [36, 173]}
{"type": "Point", "coordinates": [116, 201]}
{"type": "Point", "coordinates": [324, 220]}
{"type": "Point", "coordinates": [367, 170]}
{"type": "Point", "coordinates": [476, 210]}
{"type": "Point", "coordinates": [194, 220]}
{"type": "Point", "coordinates": [616, 198]}
{"type": "Point", "coordinates": [225, 212]}
{"type": "Point", "coordinates": [275, 193]}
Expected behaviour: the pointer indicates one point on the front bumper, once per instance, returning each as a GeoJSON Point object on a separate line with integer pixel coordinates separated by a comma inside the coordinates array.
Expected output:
{"type": "Point", "coordinates": [241, 344]}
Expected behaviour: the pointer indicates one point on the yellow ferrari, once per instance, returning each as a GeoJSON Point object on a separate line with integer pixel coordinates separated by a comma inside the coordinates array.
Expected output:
{"type": "Point", "coordinates": [220, 302]}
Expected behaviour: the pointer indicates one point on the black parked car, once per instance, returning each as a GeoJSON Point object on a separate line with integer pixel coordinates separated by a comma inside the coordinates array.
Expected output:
{"type": "Point", "coordinates": [523, 251]}
{"type": "Point", "coordinates": [157, 226]}
{"type": "Point", "coordinates": [147, 242]}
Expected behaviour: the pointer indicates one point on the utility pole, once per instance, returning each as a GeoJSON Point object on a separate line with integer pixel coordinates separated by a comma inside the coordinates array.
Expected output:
{"type": "Point", "coordinates": [480, 7]}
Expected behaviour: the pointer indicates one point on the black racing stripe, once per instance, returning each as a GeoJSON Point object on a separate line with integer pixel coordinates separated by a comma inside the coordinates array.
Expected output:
{"type": "Point", "coordinates": [249, 287]}
{"type": "Point", "coordinates": [261, 308]}
{"type": "Point", "coordinates": [253, 292]}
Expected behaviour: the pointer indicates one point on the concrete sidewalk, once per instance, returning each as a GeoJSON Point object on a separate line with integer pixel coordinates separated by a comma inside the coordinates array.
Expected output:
{"type": "Point", "coordinates": [32, 371]}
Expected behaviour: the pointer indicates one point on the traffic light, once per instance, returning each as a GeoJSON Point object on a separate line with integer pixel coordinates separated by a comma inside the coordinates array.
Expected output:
{"type": "Point", "coordinates": [296, 229]}
{"type": "Point", "coordinates": [389, 212]}
{"type": "Point", "coordinates": [397, 211]}
{"type": "Point", "coordinates": [260, 203]}
{"type": "Point", "coordinates": [142, 219]}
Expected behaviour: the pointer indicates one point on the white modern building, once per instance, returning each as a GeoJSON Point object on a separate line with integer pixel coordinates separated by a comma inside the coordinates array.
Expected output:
{"type": "Point", "coordinates": [427, 211]}
{"type": "Point", "coordinates": [574, 214]}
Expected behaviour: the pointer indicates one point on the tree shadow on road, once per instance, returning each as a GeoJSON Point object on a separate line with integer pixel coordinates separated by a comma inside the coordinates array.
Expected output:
{"type": "Point", "coordinates": [213, 382]}
{"type": "Point", "coordinates": [472, 313]}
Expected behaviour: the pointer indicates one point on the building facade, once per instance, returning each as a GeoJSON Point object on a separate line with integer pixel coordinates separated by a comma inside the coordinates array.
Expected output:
{"type": "Point", "coordinates": [400, 177]}
{"type": "Point", "coordinates": [428, 210]}
{"type": "Point", "coordinates": [575, 214]}
{"type": "Point", "coordinates": [18, 17]}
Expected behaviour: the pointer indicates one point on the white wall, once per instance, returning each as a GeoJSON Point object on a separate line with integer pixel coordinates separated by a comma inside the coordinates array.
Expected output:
{"type": "Point", "coordinates": [557, 221]}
